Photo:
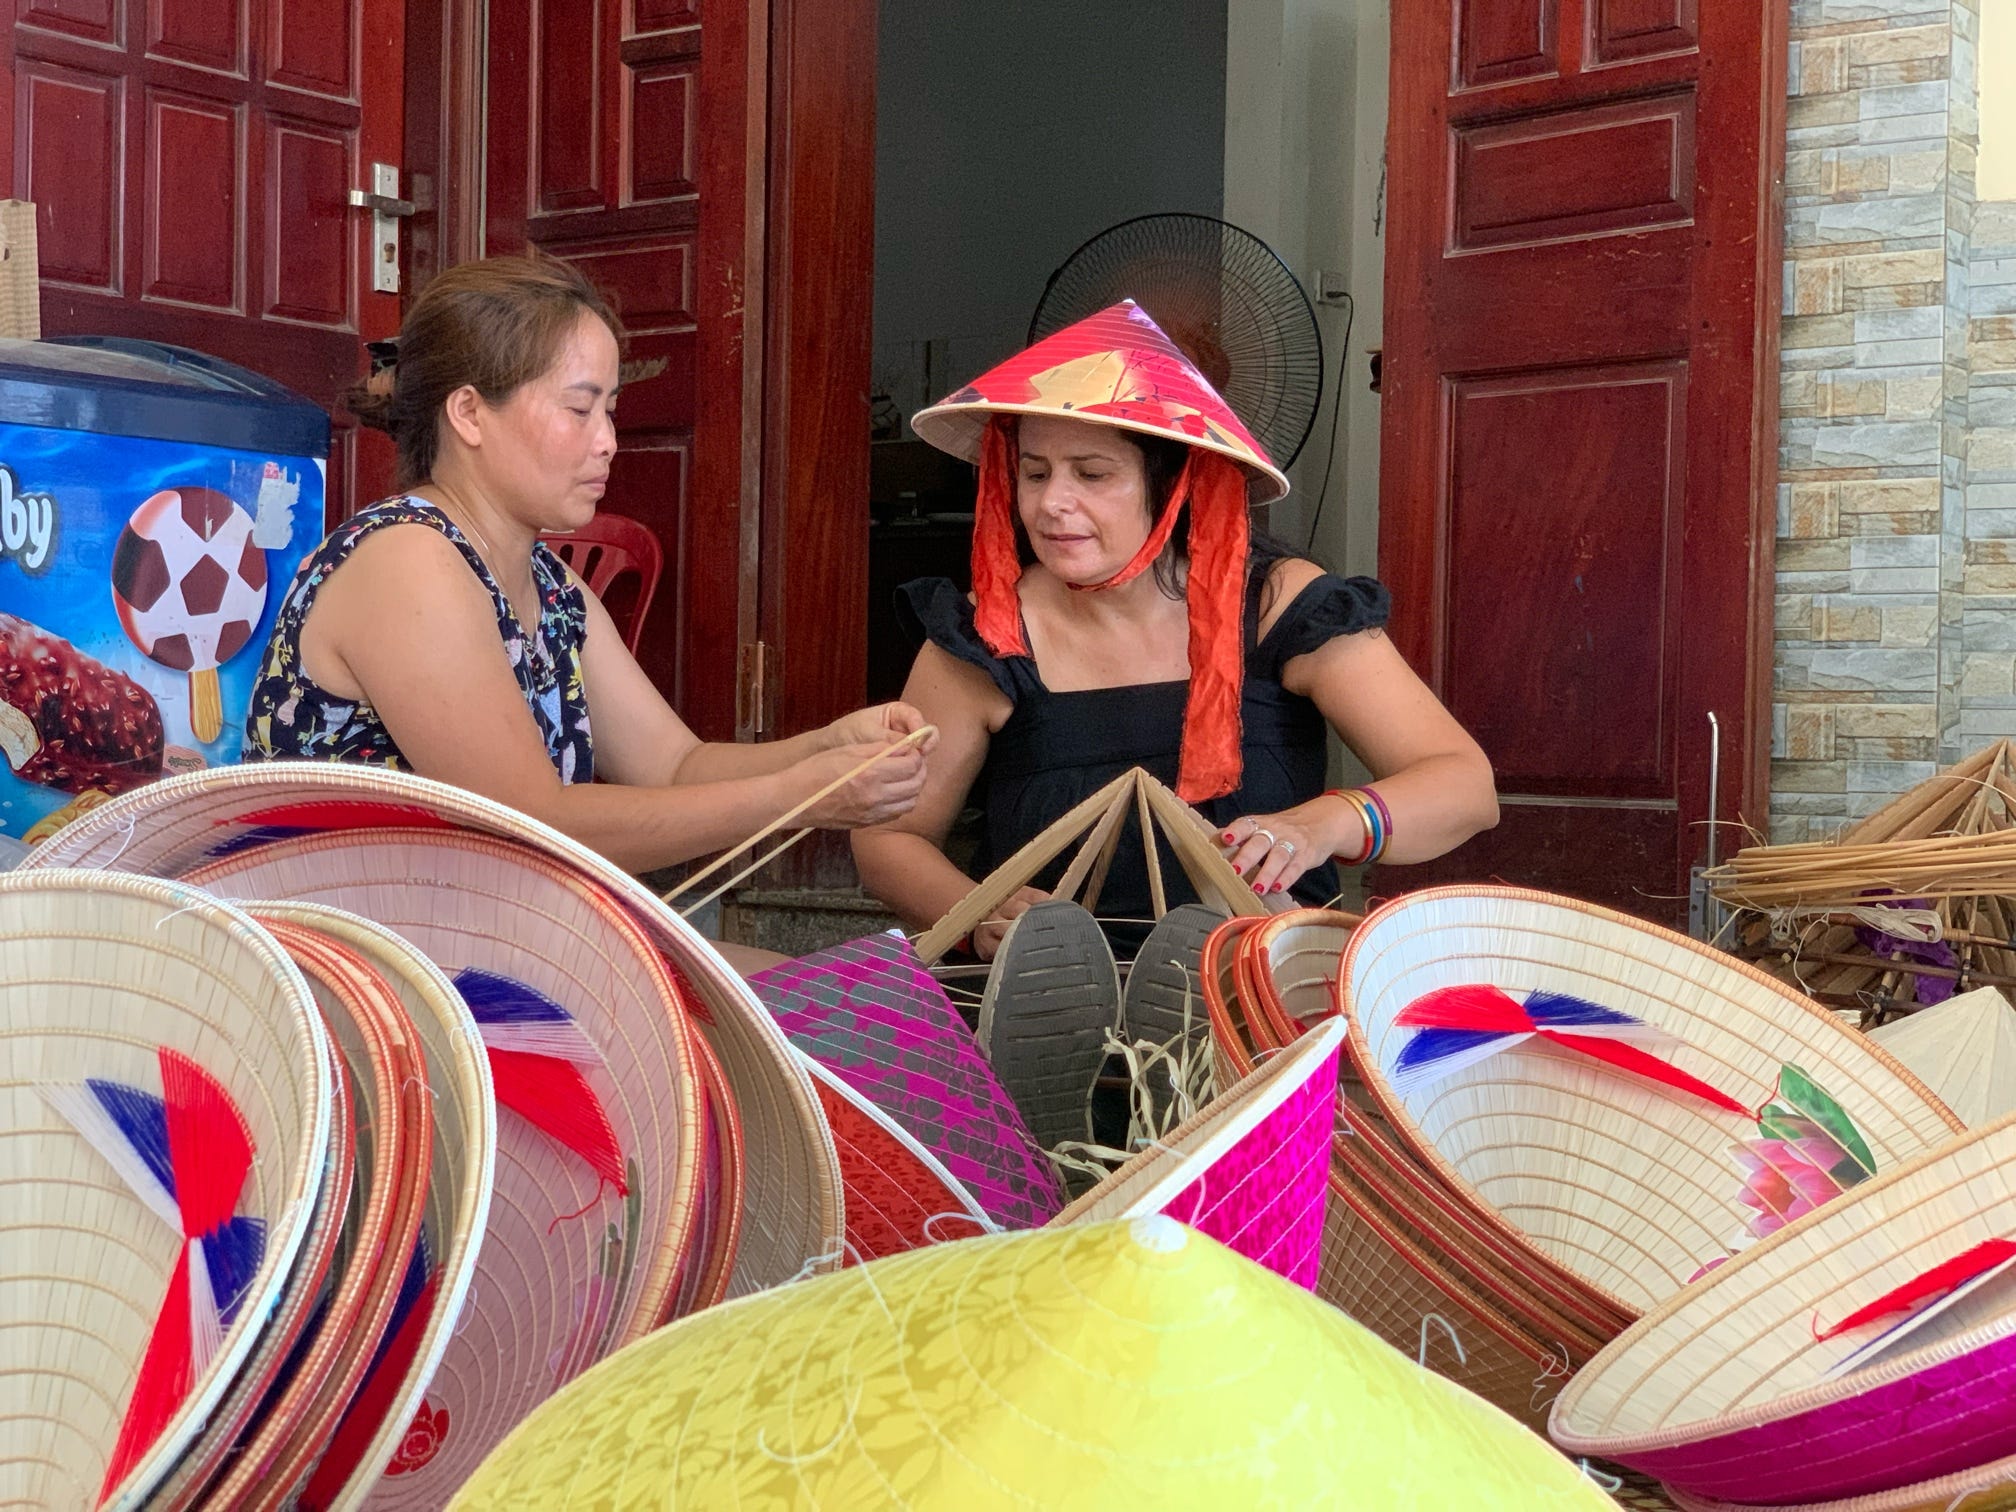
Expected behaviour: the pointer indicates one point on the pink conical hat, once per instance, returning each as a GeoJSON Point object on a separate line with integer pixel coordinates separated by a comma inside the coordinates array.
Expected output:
{"type": "Point", "coordinates": [1117, 368]}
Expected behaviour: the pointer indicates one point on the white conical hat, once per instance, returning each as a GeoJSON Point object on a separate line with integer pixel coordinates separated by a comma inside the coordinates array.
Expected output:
{"type": "Point", "coordinates": [1964, 1050]}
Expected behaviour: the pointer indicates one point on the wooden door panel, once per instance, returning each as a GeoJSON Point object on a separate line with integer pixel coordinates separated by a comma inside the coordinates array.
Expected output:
{"type": "Point", "coordinates": [190, 162]}
{"type": "Point", "coordinates": [590, 158]}
{"type": "Point", "coordinates": [201, 33]}
{"type": "Point", "coordinates": [1525, 305]}
{"type": "Point", "coordinates": [89, 20]}
{"type": "Point", "coordinates": [662, 15]}
{"type": "Point", "coordinates": [71, 138]}
{"type": "Point", "coordinates": [1503, 40]}
{"type": "Point", "coordinates": [1588, 590]}
{"type": "Point", "coordinates": [1578, 388]}
{"type": "Point", "coordinates": [566, 128]}
{"type": "Point", "coordinates": [189, 212]}
{"type": "Point", "coordinates": [312, 275]}
{"type": "Point", "coordinates": [1579, 172]}
{"type": "Point", "coordinates": [659, 147]}
{"type": "Point", "coordinates": [1625, 30]}
{"type": "Point", "coordinates": [315, 46]}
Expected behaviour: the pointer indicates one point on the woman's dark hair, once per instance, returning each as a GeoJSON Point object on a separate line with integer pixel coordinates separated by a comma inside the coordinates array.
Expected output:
{"type": "Point", "coordinates": [1162, 459]}
{"type": "Point", "coordinates": [492, 326]}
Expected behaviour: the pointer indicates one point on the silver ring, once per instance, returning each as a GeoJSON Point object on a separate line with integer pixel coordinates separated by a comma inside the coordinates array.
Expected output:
{"type": "Point", "coordinates": [1271, 840]}
{"type": "Point", "coordinates": [1288, 846]}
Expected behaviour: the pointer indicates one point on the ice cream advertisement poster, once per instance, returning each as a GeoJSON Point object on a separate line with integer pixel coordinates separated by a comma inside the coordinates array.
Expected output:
{"type": "Point", "coordinates": [139, 581]}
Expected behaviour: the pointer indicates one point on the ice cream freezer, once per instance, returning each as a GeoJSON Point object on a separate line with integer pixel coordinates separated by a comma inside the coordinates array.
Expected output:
{"type": "Point", "coordinates": [154, 505]}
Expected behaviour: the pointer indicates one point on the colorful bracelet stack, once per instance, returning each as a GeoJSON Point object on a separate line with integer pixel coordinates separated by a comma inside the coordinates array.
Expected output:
{"type": "Point", "coordinates": [1377, 818]}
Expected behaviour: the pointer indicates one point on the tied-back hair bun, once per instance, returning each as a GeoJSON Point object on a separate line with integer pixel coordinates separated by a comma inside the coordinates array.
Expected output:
{"type": "Point", "coordinates": [492, 326]}
{"type": "Point", "coordinates": [371, 401]}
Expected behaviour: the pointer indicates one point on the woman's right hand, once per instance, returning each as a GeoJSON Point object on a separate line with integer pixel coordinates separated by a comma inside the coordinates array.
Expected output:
{"type": "Point", "coordinates": [887, 790]}
{"type": "Point", "coordinates": [987, 937]}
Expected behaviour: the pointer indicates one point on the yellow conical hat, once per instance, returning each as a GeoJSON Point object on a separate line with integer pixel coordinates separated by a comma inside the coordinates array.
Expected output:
{"type": "Point", "coordinates": [1128, 1364]}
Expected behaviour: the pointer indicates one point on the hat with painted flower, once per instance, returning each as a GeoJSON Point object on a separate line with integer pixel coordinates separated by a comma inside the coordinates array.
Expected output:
{"type": "Point", "coordinates": [1119, 368]}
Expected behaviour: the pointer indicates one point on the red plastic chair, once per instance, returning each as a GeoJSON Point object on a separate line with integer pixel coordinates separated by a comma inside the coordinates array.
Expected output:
{"type": "Point", "coordinates": [602, 551]}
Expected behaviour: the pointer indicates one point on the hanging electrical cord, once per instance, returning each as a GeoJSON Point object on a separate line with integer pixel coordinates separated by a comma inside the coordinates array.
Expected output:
{"type": "Point", "coordinates": [1336, 408]}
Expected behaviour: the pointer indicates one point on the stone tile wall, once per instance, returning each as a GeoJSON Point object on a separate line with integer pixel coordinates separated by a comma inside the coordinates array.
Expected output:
{"type": "Point", "coordinates": [1896, 640]}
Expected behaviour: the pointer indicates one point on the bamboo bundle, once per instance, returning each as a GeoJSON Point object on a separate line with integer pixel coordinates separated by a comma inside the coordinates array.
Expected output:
{"type": "Point", "coordinates": [1906, 906]}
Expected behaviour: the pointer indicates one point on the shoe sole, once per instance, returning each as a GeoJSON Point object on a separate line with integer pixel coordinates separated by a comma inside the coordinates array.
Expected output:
{"type": "Point", "coordinates": [1163, 986]}
{"type": "Point", "coordinates": [1052, 999]}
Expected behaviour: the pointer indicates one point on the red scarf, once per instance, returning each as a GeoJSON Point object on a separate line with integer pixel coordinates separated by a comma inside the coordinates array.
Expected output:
{"type": "Point", "coordinates": [1213, 489]}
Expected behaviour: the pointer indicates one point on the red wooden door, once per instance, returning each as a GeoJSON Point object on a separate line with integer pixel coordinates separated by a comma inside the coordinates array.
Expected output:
{"type": "Point", "coordinates": [711, 167]}
{"type": "Point", "coordinates": [1580, 414]}
{"type": "Point", "coordinates": [190, 162]}
{"type": "Point", "coordinates": [594, 154]}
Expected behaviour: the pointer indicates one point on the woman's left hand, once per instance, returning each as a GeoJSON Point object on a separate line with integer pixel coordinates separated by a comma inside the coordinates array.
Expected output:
{"type": "Point", "coordinates": [877, 725]}
{"type": "Point", "coordinates": [1272, 851]}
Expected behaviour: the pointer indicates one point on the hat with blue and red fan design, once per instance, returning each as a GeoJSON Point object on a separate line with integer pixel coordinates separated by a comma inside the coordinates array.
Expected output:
{"type": "Point", "coordinates": [165, 1101]}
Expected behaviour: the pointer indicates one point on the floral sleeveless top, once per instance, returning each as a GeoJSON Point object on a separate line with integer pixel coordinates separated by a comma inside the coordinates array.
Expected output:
{"type": "Point", "coordinates": [291, 719]}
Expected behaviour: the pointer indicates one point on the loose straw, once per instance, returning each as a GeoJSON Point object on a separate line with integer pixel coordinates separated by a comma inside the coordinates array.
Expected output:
{"type": "Point", "coordinates": [915, 737]}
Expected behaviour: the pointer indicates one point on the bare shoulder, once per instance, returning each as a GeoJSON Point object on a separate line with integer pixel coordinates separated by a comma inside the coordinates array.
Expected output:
{"type": "Point", "coordinates": [1285, 580]}
{"type": "Point", "coordinates": [407, 540]}
{"type": "Point", "coordinates": [955, 693]}
{"type": "Point", "coordinates": [397, 570]}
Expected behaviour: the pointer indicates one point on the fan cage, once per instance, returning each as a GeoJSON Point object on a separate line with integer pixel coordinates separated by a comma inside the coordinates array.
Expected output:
{"type": "Point", "coordinates": [1224, 297]}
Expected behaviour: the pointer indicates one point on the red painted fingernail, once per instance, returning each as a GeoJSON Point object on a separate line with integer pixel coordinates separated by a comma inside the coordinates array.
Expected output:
{"type": "Point", "coordinates": [1277, 887]}
{"type": "Point", "coordinates": [1238, 870]}
{"type": "Point", "coordinates": [1226, 838]}
{"type": "Point", "coordinates": [1258, 888]}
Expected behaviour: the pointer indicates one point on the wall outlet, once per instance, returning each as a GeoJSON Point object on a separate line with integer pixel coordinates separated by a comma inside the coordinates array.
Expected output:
{"type": "Point", "coordinates": [1332, 288]}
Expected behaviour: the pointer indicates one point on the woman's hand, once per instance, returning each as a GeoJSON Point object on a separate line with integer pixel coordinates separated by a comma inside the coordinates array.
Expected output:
{"type": "Point", "coordinates": [987, 937]}
{"type": "Point", "coordinates": [876, 725]}
{"type": "Point", "coordinates": [1271, 851]}
{"type": "Point", "coordinates": [887, 790]}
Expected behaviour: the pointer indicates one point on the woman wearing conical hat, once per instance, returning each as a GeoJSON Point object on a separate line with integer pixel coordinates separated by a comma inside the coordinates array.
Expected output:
{"type": "Point", "coordinates": [1123, 614]}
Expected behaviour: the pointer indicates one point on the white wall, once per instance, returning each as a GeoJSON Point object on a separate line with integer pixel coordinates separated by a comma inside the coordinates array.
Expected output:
{"type": "Point", "coordinates": [1305, 134]}
{"type": "Point", "coordinates": [1006, 135]}
{"type": "Point", "coordinates": [1996, 165]}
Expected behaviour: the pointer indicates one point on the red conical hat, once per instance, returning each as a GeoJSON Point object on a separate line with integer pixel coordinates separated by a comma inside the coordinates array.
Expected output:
{"type": "Point", "coordinates": [1118, 368]}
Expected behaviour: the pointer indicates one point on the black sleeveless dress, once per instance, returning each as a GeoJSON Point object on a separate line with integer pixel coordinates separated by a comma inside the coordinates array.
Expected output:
{"type": "Point", "coordinates": [1057, 749]}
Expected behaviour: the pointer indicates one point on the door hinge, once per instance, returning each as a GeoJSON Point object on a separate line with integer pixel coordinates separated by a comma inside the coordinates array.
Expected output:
{"type": "Point", "coordinates": [755, 702]}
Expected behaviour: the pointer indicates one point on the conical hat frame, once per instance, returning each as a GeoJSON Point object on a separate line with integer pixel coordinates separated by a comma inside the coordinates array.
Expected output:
{"type": "Point", "coordinates": [1098, 820]}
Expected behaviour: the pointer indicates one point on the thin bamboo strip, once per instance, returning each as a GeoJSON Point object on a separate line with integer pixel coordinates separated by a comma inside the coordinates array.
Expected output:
{"type": "Point", "coordinates": [1095, 885]}
{"type": "Point", "coordinates": [1158, 898]}
{"type": "Point", "coordinates": [1001, 884]}
{"type": "Point", "coordinates": [803, 806]}
{"type": "Point", "coordinates": [1929, 806]}
{"type": "Point", "coordinates": [1196, 848]}
{"type": "Point", "coordinates": [1102, 834]}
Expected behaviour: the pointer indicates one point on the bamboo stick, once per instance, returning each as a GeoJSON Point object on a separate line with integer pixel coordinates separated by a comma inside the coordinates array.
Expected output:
{"type": "Point", "coordinates": [689, 883]}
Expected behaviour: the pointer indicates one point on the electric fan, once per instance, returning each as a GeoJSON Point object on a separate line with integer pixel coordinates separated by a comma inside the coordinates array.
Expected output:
{"type": "Point", "coordinates": [1224, 297]}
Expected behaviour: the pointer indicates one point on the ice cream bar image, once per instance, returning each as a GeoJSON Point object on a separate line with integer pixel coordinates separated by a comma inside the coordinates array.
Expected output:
{"type": "Point", "coordinates": [68, 721]}
{"type": "Point", "coordinates": [190, 585]}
